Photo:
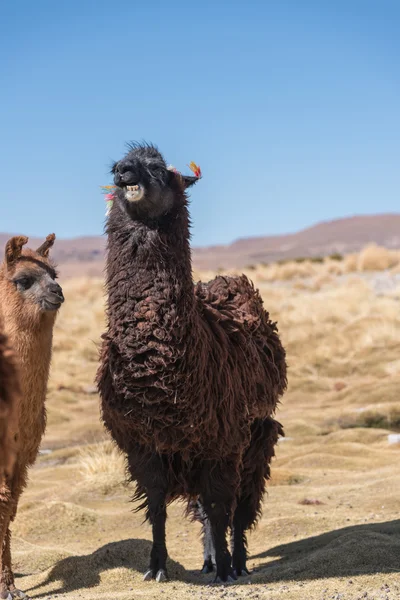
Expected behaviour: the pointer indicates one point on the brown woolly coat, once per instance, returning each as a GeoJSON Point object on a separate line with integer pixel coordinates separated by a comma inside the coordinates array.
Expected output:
{"type": "Point", "coordinates": [29, 331]}
{"type": "Point", "coordinates": [30, 334]}
{"type": "Point", "coordinates": [9, 399]}
{"type": "Point", "coordinates": [185, 370]}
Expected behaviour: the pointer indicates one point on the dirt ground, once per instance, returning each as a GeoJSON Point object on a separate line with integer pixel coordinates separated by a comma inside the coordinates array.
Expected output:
{"type": "Point", "coordinates": [331, 522]}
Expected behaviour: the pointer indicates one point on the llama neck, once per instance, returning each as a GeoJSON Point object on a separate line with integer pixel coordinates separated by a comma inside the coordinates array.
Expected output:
{"type": "Point", "coordinates": [32, 342]}
{"type": "Point", "coordinates": [149, 275]}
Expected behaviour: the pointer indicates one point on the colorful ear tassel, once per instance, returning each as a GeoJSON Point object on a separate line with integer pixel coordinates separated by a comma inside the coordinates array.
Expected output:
{"type": "Point", "coordinates": [109, 196]}
{"type": "Point", "coordinates": [196, 169]}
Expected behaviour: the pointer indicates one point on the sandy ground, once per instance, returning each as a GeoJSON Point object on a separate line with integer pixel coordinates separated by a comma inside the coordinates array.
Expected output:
{"type": "Point", "coordinates": [331, 523]}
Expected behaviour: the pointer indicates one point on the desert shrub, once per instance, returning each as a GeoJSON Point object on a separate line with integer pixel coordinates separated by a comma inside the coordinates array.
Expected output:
{"type": "Point", "coordinates": [102, 467]}
{"type": "Point", "coordinates": [295, 479]}
{"type": "Point", "coordinates": [317, 259]}
{"type": "Point", "coordinates": [336, 256]}
{"type": "Point", "coordinates": [372, 419]}
{"type": "Point", "coordinates": [350, 263]}
{"type": "Point", "coordinates": [377, 258]}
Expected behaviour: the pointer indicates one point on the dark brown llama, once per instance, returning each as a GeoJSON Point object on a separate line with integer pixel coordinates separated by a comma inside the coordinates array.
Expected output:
{"type": "Point", "coordinates": [190, 376]}
{"type": "Point", "coordinates": [29, 300]}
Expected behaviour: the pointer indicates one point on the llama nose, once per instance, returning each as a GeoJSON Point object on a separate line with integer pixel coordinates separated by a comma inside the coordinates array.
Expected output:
{"type": "Point", "coordinates": [128, 178]}
{"type": "Point", "coordinates": [56, 289]}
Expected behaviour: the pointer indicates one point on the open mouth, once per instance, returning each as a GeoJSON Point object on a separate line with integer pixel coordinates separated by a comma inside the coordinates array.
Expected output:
{"type": "Point", "coordinates": [133, 193]}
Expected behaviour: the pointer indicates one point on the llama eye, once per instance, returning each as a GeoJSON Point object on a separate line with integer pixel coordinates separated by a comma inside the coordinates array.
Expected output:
{"type": "Point", "coordinates": [24, 283]}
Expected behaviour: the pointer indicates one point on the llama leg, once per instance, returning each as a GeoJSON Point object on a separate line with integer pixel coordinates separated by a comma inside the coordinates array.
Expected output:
{"type": "Point", "coordinates": [218, 515]}
{"type": "Point", "coordinates": [17, 485]}
{"type": "Point", "coordinates": [157, 515]}
{"type": "Point", "coordinates": [255, 472]}
{"type": "Point", "coordinates": [209, 550]}
{"type": "Point", "coordinates": [218, 500]}
{"type": "Point", "coordinates": [13, 592]}
{"type": "Point", "coordinates": [208, 544]}
{"type": "Point", "coordinates": [149, 471]}
{"type": "Point", "coordinates": [242, 519]}
{"type": "Point", "coordinates": [6, 577]}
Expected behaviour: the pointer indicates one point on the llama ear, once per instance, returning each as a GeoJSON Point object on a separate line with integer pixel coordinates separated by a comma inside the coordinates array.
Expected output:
{"type": "Point", "coordinates": [185, 180]}
{"type": "Point", "coordinates": [14, 248]}
{"type": "Point", "coordinates": [189, 180]}
{"type": "Point", "coordinates": [44, 249]}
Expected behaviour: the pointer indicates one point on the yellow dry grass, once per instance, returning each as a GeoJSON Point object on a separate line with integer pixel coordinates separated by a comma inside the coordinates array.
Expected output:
{"type": "Point", "coordinates": [371, 258]}
{"type": "Point", "coordinates": [102, 467]}
{"type": "Point", "coordinates": [330, 527]}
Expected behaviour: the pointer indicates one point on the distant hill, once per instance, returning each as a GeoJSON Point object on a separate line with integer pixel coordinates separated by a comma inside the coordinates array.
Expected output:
{"type": "Point", "coordinates": [341, 235]}
{"type": "Point", "coordinates": [85, 255]}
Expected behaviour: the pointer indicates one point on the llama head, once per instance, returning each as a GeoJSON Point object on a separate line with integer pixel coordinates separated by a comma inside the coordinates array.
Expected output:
{"type": "Point", "coordinates": [146, 187]}
{"type": "Point", "coordinates": [28, 278]}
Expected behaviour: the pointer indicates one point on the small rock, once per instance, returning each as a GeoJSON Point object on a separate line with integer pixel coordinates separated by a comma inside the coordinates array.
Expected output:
{"type": "Point", "coordinates": [339, 386]}
{"type": "Point", "coordinates": [89, 389]}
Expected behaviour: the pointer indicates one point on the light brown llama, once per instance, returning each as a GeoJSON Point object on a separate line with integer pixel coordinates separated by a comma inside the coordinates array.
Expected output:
{"type": "Point", "coordinates": [29, 300]}
{"type": "Point", "coordinates": [9, 399]}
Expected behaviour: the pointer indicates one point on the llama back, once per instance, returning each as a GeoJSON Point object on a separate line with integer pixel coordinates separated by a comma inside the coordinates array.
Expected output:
{"type": "Point", "coordinates": [235, 304]}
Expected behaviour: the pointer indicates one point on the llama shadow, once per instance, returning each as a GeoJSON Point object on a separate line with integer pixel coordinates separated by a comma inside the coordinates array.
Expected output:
{"type": "Point", "coordinates": [354, 550]}
{"type": "Point", "coordinates": [79, 572]}
{"type": "Point", "coordinates": [350, 551]}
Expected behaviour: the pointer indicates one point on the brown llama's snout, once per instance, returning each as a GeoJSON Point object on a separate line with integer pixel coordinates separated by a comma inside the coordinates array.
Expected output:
{"type": "Point", "coordinates": [54, 296]}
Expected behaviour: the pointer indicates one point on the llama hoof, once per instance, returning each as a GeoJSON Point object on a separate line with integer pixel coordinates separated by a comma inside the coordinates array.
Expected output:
{"type": "Point", "coordinates": [149, 575]}
{"type": "Point", "coordinates": [208, 567]}
{"type": "Point", "coordinates": [241, 572]}
{"type": "Point", "coordinates": [17, 594]}
{"type": "Point", "coordinates": [229, 578]}
{"type": "Point", "coordinates": [161, 576]}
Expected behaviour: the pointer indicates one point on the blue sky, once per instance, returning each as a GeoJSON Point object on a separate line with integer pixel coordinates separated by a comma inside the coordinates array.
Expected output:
{"type": "Point", "coordinates": [291, 108]}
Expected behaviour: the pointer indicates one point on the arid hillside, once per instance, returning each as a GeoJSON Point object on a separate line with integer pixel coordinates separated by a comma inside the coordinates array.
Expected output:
{"type": "Point", "coordinates": [85, 256]}
{"type": "Point", "coordinates": [330, 527]}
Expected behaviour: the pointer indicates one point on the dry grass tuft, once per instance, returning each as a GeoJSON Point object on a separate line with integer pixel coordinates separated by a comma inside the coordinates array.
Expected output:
{"type": "Point", "coordinates": [376, 258]}
{"type": "Point", "coordinates": [371, 258]}
{"type": "Point", "coordinates": [102, 467]}
{"type": "Point", "coordinates": [389, 419]}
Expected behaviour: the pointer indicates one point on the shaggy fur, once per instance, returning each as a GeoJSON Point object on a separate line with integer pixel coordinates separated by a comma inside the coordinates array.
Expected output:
{"type": "Point", "coordinates": [29, 301]}
{"type": "Point", "coordinates": [189, 376]}
{"type": "Point", "coordinates": [9, 398]}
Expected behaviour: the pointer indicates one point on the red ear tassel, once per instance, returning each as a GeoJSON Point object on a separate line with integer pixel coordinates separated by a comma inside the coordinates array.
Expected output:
{"type": "Point", "coordinates": [196, 169]}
